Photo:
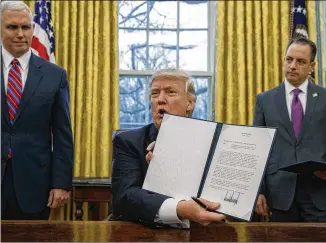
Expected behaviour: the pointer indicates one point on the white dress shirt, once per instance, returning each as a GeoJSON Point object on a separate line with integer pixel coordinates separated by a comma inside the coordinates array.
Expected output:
{"type": "Point", "coordinates": [23, 65]}
{"type": "Point", "coordinates": [302, 95]}
{"type": "Point", "coordinates": [167, 214]}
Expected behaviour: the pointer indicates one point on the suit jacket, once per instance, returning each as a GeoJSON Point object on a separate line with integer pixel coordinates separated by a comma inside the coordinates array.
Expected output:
{"type": "Point", "coordinates": [129, 201]}
{"type": "Point", "coordinates": [44, 106]}
{"type": "Point", "coordinates": [271, 110]}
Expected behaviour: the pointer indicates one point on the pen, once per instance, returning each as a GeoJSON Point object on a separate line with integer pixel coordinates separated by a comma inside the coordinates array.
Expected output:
{"type": "Point", "coordinates": [200, 203]}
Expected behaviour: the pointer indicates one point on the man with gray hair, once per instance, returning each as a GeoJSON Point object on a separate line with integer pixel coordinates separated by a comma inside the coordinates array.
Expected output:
{"type": "Point", "coordinates": [171, 91]}
{"type": "Point", "coordinates": [36, 174]}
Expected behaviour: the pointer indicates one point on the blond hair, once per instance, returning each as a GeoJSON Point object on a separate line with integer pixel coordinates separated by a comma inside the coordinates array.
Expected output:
{"type": "Point", "coordinates": [177, 74]}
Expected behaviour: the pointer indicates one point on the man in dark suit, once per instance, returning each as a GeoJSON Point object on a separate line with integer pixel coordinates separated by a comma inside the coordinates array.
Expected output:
{"type": "Point", "coordinates": [298, 108]}
{"type": "Point", "coordinates": [171, 91]}
{"type": "Point", "coordinates": [34, 105]}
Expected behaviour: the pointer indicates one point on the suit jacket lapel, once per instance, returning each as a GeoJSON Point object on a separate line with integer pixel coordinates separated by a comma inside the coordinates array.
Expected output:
{"type": "Point", "coordinates": [4, 104]}
{"type": "Point", "coordinates": [33, 78]}
{"type": "Point", "coordinates": [280, 102]}
{"type": "Point", "coordinates": [310, 106]}
{"type": "Point", "coordinates": [150, 136]}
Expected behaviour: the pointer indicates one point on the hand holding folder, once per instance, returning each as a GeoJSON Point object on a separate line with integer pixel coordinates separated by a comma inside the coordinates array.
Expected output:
{"type": "Point", "coordinates": [321, 174]}
{"type": "Point", "coordinates": [200, 211]}
{"type": "Point", "coordinates": [305, 167]}
{"type": "Point", "coordinates": [201, 204]}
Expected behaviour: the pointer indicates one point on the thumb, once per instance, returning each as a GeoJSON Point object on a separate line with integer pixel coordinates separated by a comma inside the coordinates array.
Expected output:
{"type": "Point", "coordinates": [150, 146]}
{"type": "Point", "coordinates": [50, 199]}
{"type": "Point", "coordinates": [210, 205]}
{"type": "Point", "coordinates": [213, 217]}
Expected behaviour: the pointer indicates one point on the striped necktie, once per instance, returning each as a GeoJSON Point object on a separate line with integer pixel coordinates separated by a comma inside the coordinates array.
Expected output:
{"type": "Point", "coordinates": [14, 91]}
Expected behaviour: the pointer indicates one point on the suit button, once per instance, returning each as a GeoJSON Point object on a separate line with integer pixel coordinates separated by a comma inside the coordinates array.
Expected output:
{"type": "Point", "coordinates": [12, 134]}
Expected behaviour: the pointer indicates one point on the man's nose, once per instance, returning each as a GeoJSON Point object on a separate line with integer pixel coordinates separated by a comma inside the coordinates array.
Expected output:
{"type": "Point", "coordinates": [20, 33]}
{"type": "Point", "coordinates": [162, 97]}
{"type": "Point", "coordinates": [293, 65]}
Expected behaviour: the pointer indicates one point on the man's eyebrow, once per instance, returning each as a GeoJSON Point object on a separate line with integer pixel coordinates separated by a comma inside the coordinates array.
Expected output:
{"type": "Point", "coordinates": [164, 87]}
{"type": "Point", "coordinates": [14, 24]}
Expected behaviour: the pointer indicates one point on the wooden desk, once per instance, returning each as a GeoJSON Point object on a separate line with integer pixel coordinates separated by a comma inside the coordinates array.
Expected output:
{"type": "Point", "coordinates": [91, 190]}
{"type": "Point", "coordinates": [95, 231]}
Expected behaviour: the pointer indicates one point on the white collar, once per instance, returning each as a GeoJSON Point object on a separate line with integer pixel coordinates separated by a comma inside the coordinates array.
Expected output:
{"type": "Point", "coordinates": [289, 87]}
{"type": "Point", "coordinates": [23, 60]}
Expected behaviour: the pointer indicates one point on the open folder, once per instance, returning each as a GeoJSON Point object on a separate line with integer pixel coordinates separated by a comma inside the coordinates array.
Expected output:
{"type": "Point", "coordinates": [305, 167]}
{"type": "Point", "coordinates": [219, 162]}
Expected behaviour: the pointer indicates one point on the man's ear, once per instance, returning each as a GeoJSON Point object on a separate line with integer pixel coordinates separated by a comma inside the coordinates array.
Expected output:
{"type": "Point", "coordinates": [190, 104]}
{"type": "Point", "coordinates": [313, 64]}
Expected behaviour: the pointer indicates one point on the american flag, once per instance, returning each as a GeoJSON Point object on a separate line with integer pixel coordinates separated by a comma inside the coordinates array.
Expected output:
{"type": "Point", "coordinates": [298, 19]}
{"type": "Point", "coordinates": [43, 40]}
{"type": "Point", "coordinates": [298, 23]}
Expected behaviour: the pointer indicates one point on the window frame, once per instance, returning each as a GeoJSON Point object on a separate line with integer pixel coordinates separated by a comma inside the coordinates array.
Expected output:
{"type": "Point", "coordinates": [324, 30]}
{"type": "Point", "coordinates": [211, 54]}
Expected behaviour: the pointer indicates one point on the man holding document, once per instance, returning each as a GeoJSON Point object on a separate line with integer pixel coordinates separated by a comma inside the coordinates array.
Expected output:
{"type": "Point", "coordinates": [173, 92]}
{"type": "Point", "coordinates": [204, 159]}
{"type": "Point", "coordinates": [298, 108]}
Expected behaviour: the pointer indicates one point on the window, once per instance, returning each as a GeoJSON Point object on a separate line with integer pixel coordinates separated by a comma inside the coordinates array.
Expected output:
{"type": "Point", "coordinates": [154, 35]}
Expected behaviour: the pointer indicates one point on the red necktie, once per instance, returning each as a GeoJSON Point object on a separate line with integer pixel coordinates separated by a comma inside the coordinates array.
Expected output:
{"type": "Point", "coordinates": [14, 91]}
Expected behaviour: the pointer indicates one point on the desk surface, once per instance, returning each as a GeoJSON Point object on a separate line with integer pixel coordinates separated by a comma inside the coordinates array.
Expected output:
{"type": "Point", "coordinates": [91, 182]}
{"type": "Point", "coordinates": [92, 231]}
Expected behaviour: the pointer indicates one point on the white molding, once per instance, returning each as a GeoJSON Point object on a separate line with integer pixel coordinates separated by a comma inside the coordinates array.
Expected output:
{"type": "Point", "coordinates": [150, 73]}
{"type": "Point", "coordinates": [211, 54]}
{"type": "Point", "coordinates": [324, 30]}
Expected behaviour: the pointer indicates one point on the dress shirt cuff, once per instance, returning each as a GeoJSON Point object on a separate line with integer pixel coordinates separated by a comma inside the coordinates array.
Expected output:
{"type": "Point", "coordinates": [167, 214]}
